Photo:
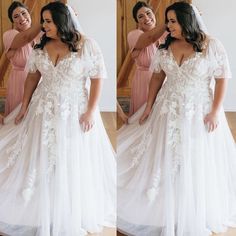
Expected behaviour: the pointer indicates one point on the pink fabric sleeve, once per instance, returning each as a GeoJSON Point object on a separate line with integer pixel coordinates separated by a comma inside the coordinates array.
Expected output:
{"type": "Point", "coordinates": [8, 37]}
{"type": "Point", "coordinates": [133, 38]}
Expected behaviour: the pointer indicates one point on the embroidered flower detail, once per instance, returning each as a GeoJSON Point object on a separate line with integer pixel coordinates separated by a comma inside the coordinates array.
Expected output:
{"type": "Point", "coordinates": [15, 150]}
{"type": "Point", "coordinates": [29, 189]}
{"type": "Point", "coordinates": [141, 147]}
{"type": "Point", "coordinates": [154, 190]}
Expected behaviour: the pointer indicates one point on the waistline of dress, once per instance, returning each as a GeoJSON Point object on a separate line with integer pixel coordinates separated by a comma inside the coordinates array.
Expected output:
{"type": "Point", "coordinates": [18, 68]}
{"type": "Point", "coordinates": [143, 68]}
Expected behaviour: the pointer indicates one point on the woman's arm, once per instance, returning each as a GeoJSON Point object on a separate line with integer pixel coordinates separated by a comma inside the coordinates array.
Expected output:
{"type": "Point", "coordinates": [94, 95]}
{"type": "Point", "coordinates": [220, 90]}
{"type": "Point", "coordinates": [26, 36]}
{"type": "Point", "coordinates": [86, 119]}
{"type": "Point", "coordinates": [1, 119]}
{"type": "Point", "coordinates": [149, 37]}
{"type": "Point", "coordinates": [211, 119]}
{"type": "Point", "coordinates": [121, 114]}
{"type": "Point", "coordinates": [31, 83]}
{"type": "Point", "coordinates": [154, 87]}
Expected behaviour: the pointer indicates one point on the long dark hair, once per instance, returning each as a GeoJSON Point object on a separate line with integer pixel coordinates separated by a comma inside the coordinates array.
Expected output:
{"type": "Point", "coordinates": [66, 30]}
{"type": "Point", "coordinates": [13, 6]}
{"type": "Point", "coordinates": [190, 28]}
{"type": "Point", "coordinates": [137, 6]}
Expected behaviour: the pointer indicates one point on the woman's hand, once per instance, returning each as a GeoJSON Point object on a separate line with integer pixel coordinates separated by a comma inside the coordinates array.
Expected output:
{"type": "Point", "coordinates": [145, 115]}
{"type": "Point", "coordinates": [1, 120]}
{"type": "Point", "coordinates": [121, 114]}
{"type": "Point", "coordinates": [86, 121]}
{"type": "Point", "coordinates": [124, 118]}
{"type": "Point", "coordinates": [20, 115]}
{"type": "Point", "coordinates": [211, 121]}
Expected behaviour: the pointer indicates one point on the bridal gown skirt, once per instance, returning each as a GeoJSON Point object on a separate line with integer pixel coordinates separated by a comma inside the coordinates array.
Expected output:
{"type": "Point", "coordinates": [55, 180]}
{"type": "Point", "coordinates": [175, 178]}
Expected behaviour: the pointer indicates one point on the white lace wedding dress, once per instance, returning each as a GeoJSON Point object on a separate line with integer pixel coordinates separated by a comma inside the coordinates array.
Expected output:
{"type": "Point", "coordinates": [56, 180]}
{"type": "Point", "coordinates": [175, 178]}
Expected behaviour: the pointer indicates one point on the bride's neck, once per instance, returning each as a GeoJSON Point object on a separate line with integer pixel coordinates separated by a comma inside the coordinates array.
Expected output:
{"type": "Point", "coordinates": [57, 42]}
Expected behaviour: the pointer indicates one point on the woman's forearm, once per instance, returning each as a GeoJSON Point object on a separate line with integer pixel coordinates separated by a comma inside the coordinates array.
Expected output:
{"type": "Point", "coordinates": [94, 95]}
{"type": "Point", "coordinates": [26, 36]}
{"type": "Point", "coordinates": [150, 37]}
{"type": "Point", "coordinates": [29, 87]}
{"type": "Point", "coordinates": [220, 89]}
{"type": "Point", "coordinates": [154, 87]}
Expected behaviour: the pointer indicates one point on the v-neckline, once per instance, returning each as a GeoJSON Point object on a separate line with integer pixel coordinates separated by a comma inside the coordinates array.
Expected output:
{"type": "Point", "coordinates": [184, 61]}
{"type": "Point", "coordinates": [68, 55]}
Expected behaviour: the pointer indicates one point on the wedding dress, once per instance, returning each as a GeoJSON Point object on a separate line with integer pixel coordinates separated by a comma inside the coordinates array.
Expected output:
{"type": "Point", "coordinates": [175, 178]}
{"type": "Point", "coordinates": [56, 180]}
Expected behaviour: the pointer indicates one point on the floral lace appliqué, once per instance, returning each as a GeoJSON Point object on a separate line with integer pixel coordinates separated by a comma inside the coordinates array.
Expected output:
{"type": "Point", "coordinates": [141, 147]}
{"type": "Point", "coordinates": [153, 191]}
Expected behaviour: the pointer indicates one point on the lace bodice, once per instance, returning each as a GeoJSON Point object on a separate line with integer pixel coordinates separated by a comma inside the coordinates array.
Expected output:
{"type": "Point", "coordinates": [62, 90]}
{"type": "Point", "coordinates": [189, 85]}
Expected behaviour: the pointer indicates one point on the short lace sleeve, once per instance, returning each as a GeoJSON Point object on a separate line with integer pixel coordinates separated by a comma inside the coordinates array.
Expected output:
{"type": "Point", "coordinates": [156, 62]}
{"type": "Point", "coordinates": [31, 62]}
{"type": "Point", "coordinates": [219, 58]}
{"type": "Point", "coordinates": [94, 59]}
{"type": "Point", "coordinates": [8, 37]}
{"type": "Point", "coordinates": [133, 37]}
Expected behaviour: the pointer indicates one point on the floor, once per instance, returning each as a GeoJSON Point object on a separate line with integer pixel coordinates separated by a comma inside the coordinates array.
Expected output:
{"type": "Point", "coordinates": [106, 232]}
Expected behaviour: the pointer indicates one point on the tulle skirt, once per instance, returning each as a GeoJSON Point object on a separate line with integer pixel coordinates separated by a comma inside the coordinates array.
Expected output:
{"type": "Point", "coordinates": [55, 180]}
{"type": "Point", "coordinates": [175, 178]}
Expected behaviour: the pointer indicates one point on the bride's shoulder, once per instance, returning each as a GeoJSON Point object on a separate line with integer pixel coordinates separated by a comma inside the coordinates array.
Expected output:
{"type": "Point", "coordinates": [211, 42]}
{"type": "Point", "coordinates": [88, 46]}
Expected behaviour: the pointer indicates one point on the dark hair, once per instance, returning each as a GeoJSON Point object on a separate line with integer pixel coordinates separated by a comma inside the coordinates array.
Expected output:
{"type": "Point", "coordinates": [137, 6]}
{"type": "Point", "coordinates": [13, 6]}
{"type": "Point", "coordinates": [190, 28]}
{"type": "Point", "coordinates": [62, 19]}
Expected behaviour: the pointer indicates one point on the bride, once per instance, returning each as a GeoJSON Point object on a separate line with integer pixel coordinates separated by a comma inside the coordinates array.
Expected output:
{"type": "Point", "coordinates": [57, 168]}
{"type": "Point", "coordinates": [176, 171]}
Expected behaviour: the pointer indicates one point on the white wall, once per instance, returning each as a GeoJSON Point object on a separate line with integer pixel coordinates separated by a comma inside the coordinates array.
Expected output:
{"type": "Point", "coordinates": [219, 17]}
{"type": "Point", "coordinates": [98, 20]}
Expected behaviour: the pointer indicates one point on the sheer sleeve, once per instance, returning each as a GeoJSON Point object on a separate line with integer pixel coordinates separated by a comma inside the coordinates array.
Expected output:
{"type": "Point", "coordinates": [31, 62]}
{"type": "Point", "coordinates": [156, 62]}
{"type": "Point", "coordinates": [8, 37]}
{"type": "Point", "coordinates": [95, 62]}
{"type": "Point", "coordinates": [219, 59]}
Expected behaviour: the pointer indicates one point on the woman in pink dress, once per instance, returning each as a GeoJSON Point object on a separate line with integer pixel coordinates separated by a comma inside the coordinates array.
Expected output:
{"type": "Point", "coordinates": [18, 44]}
{"type": "Point", "coordinates": [143, 44]}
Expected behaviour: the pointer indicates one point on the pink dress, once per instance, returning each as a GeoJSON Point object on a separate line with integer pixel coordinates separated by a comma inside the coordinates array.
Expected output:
{"type": "Point", "coordinates": [18, 74]}
{"type": "Point", "coordinates": [142, 76]}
